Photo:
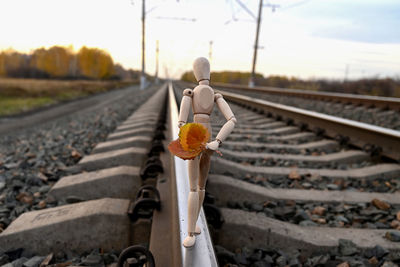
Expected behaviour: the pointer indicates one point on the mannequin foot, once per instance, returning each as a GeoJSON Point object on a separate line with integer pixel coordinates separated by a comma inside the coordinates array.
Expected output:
{"type": "Point", "coordinates": [198, 230]}
{"type": "Point", "coordinates": [189, 241]}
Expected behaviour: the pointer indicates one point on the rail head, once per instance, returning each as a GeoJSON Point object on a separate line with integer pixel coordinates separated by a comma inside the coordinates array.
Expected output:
{"type": "Point", "coordinates": [202, 254]}
{"type": "Point", "coordinates": [360, 134]}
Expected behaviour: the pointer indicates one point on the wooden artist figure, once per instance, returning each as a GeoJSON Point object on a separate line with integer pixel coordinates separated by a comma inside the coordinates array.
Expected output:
{"type": "Point", "coordinates": [202, 99]}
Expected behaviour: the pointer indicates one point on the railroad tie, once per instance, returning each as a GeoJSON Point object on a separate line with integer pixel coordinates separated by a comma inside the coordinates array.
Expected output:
{"type": "Point", "coordinates": [105, 183]}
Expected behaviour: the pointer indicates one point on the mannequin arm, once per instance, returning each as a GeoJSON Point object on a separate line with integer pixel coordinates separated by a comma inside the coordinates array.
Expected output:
{"type": "Point", "coordinates": [185, 107]}
{"type": "Point", "coordinates": [227, 128]}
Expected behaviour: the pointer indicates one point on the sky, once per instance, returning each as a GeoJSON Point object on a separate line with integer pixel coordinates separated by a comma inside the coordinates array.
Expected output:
{"type": "Point", "coordinates": [300, 38]}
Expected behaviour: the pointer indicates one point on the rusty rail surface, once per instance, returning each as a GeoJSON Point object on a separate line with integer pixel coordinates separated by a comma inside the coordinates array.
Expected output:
{"type": "Point", "coordinates": [358, 133]}
{"type": "Point", "coordinates": [376, 101]}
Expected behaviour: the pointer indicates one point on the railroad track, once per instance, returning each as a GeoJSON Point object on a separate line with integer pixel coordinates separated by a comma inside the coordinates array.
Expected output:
{"type": "Point", "coordinates": [124, 193]}
{"type": "Point", "coordinates": [382, 102]}
{"type": "Point", "coordinates": [368, 122]}
{"type": "Point", "coordinates": [380, 111]}
{"type": "Point", "coordinates": [279, 196]}
{"type": "Point", "coordinates": [279, 186]}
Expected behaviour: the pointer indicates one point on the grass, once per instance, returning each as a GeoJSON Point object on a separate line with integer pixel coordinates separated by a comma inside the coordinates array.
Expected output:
{"type": "Point", "coordinates": [12, 105]}
{"type": "Point", "coordinates": [19, 95]}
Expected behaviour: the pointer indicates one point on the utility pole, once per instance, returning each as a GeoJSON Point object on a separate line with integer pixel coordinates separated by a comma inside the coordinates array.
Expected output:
{"type": "Point", "coordinates": [346, 73]}
{"type": "Point", "coordinates": [143, 75]}
{"type": "Point", "coordinates": [157, 51]}
{"type": "Point", "coordinates": [143, 82]}
{"type": "Point", "coordinates": [253, 71]}
{"type": "Point", "coordinates": [210, 51]}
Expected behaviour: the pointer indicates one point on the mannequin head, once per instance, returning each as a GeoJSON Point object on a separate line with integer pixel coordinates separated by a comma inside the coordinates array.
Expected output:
{"type": "Point", "coordinates": [201, 70]}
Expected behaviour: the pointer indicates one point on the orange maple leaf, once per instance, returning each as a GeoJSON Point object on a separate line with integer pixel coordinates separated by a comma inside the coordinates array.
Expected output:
{"type": "Point", "coordinates": [191, 142]}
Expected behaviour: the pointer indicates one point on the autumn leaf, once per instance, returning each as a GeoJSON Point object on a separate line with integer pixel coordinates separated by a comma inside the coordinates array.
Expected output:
{"type": "Point", "coordinates": [191, 142]}
{"type": "Point", "coordinates": [193, 135]}
{"type": "Point", "coordinates": [176, 149]}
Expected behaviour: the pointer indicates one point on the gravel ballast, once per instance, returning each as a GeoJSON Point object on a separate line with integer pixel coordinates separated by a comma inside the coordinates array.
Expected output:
{"type": "Point", "coordinates": [334, 216]}
{"type": "Point", "coordinates": [376, 116]}
{"type": "Point", "coordinates": [360, 215]}
{"type": "Point", "coordinates": [33, 159]}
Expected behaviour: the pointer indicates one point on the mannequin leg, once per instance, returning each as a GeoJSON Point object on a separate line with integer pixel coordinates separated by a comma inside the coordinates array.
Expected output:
{"type": "Point", "coordinates": [204, 169]}
{"type": "Point", "coordinates": [193, 202]}
{"type": "Point", "coordinates": [201, 193]}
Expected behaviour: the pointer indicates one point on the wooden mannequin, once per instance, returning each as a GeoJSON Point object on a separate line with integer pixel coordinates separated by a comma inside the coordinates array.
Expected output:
{"type": "Point", "coordinates": [202, 99]}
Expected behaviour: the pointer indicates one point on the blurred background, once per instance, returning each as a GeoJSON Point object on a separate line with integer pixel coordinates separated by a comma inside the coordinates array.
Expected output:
{"type": "Point", "coordinates": [338, 45]}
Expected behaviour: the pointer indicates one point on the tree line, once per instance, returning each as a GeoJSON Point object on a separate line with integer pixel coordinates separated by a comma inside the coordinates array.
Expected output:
{"type": "Point", "coordinates": [59, 62]}
{"type": "Point", "coordinates": [367, 86]}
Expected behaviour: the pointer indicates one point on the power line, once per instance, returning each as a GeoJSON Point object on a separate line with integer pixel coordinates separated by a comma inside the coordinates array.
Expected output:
{"type": "Point", "coordinates": [143, 82]}
{"type": "Point", "coordinates": [178, 18]}
{"type": "Point", "coordinates": [258, 20]}
{"type": "Point", "coordinates": [256, 47]}
{"type": "Point", "coordinates": [272, 6]}
{"type": "Point", "coordinates": [234, 12]}
{"type": "Point", "coordinates": [296, 4]}
{"type": "Point", "coordinates": [246, 9]}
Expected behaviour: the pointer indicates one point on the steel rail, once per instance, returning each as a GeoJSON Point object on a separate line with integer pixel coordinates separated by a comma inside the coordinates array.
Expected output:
{"type": "Point", "coordinates": [202, 254]}
{"type": "Point", "coordinates": [359, 134]}
{"type": "Point", "coordinates": [376, 101]}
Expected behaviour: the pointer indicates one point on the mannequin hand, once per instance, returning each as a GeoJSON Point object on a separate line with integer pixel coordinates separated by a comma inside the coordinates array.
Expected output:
{"type": "Point", "coordinates": [181, 123]}
{"type": "Point", "coordinates": [212, 145]}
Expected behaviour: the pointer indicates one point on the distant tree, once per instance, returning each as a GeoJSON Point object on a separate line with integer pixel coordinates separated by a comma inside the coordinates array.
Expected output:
{"type": "Point", "coordinates": [94, 63]}
{"type": "Point", "coordinates": [223, 77]}
{"type": "Point", "coordinates": [121, 73]}
{"type": "Point", "coordinates": [3, 72]}
{"type": "Point", "coordinates": [13, 64]}
{"type": "Point", "coordinates": [54, 61]}
{"type": "Point", "coordinates": [134, 74]}
{"type": "Point", "coordinates": [62, 63]}
{"type": "Point", "coordinates": [188, 76]}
